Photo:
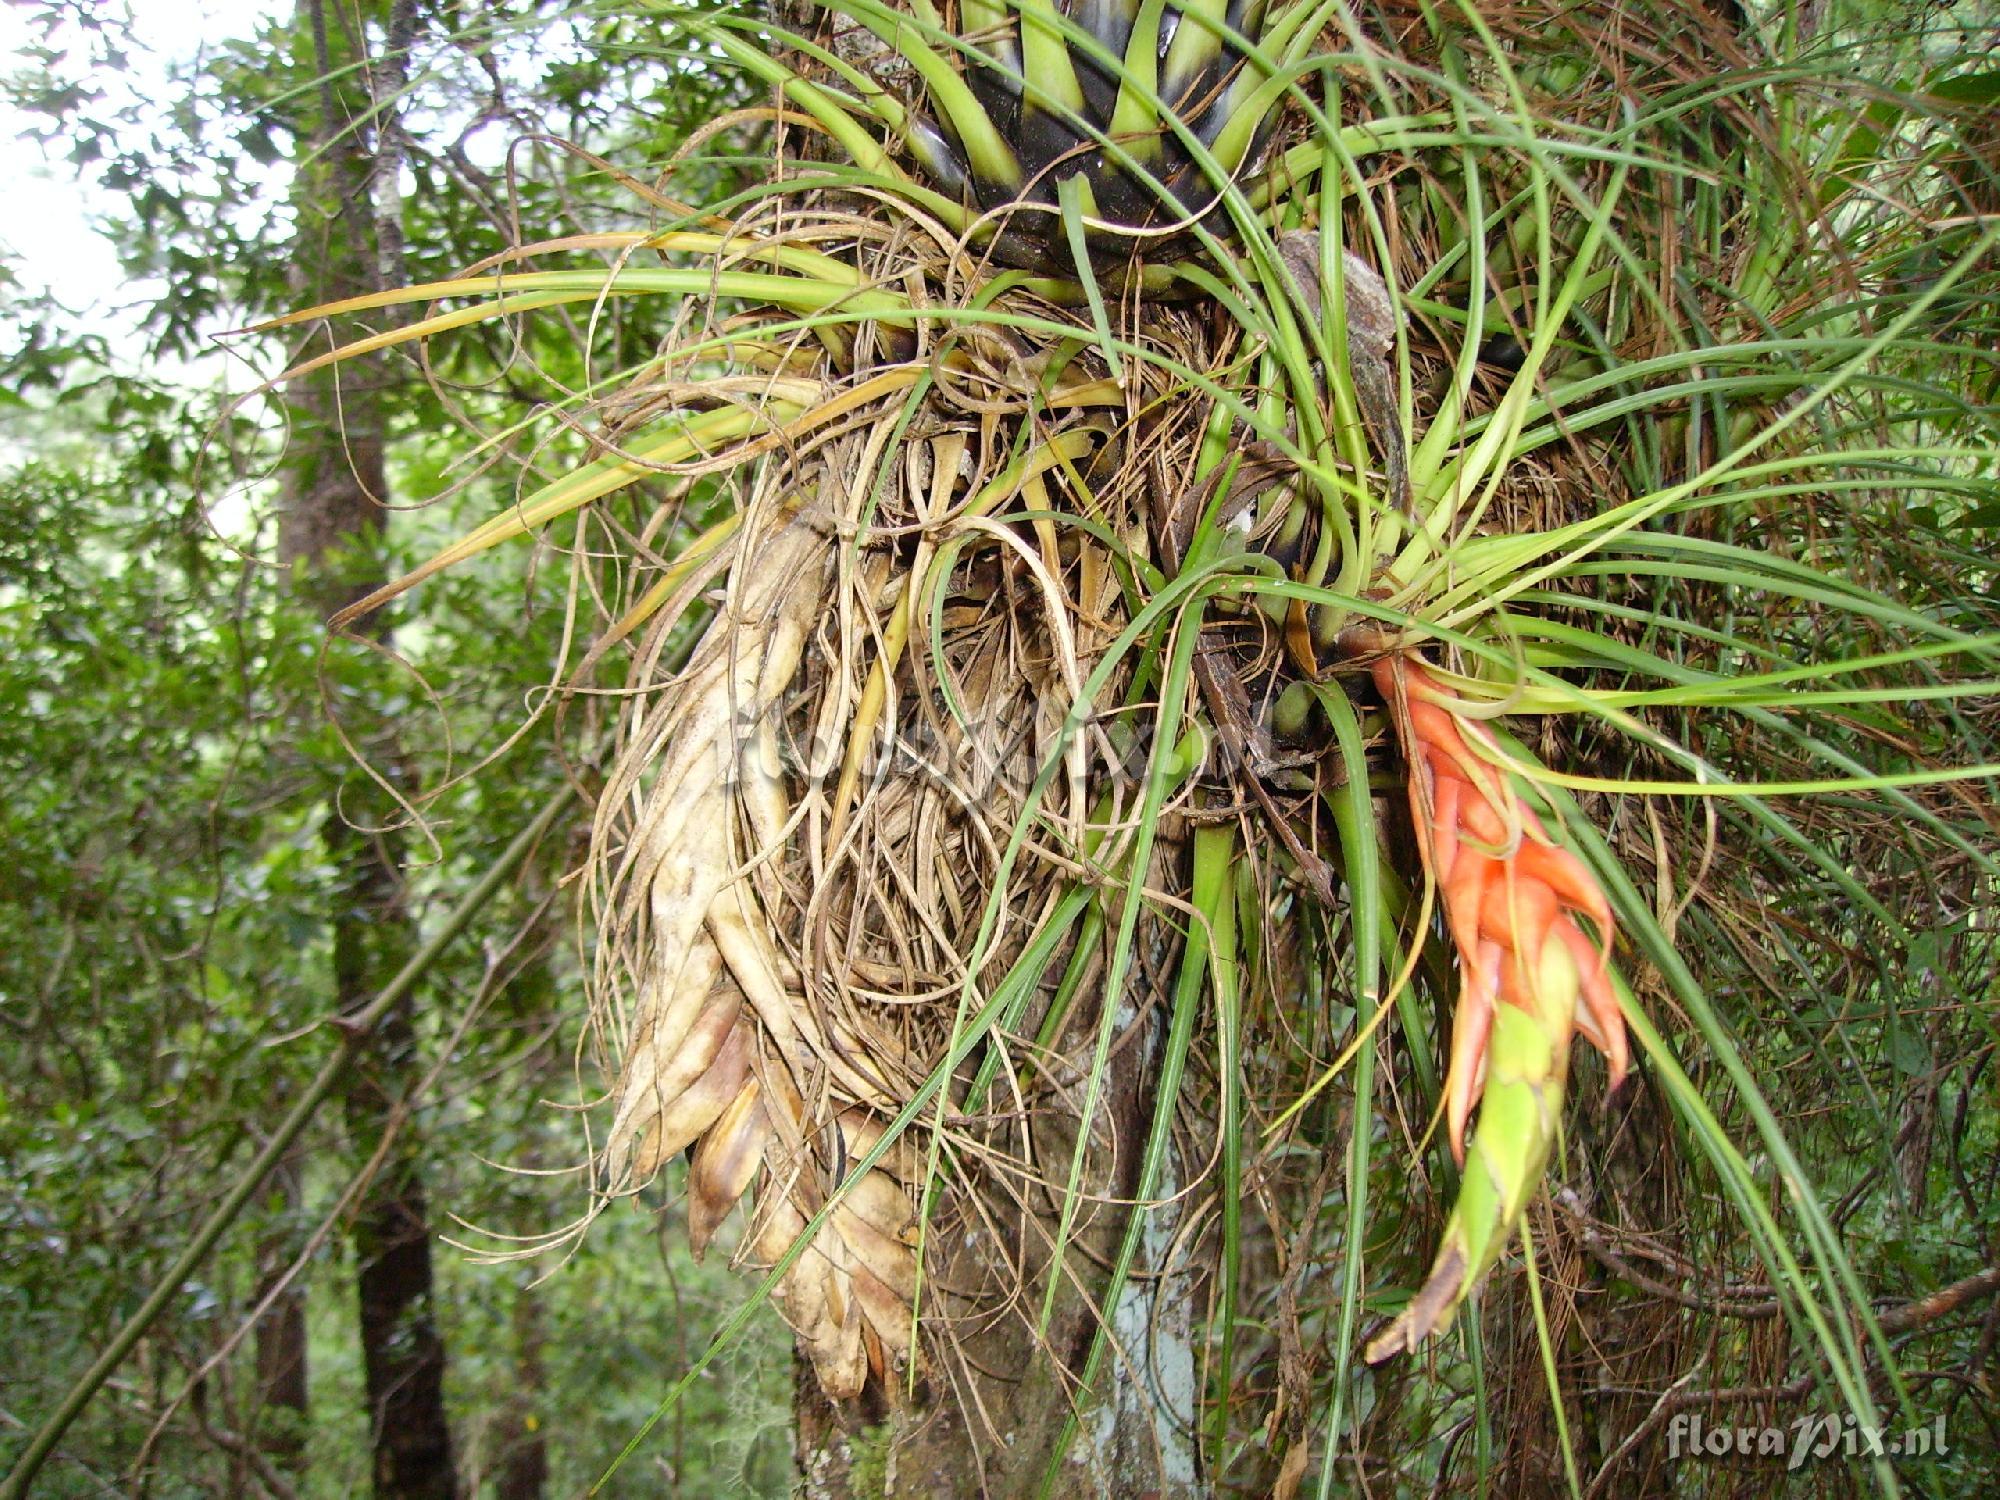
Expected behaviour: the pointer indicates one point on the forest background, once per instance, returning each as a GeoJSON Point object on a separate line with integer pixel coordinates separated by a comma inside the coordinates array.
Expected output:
{"type": "Point", "coordinates": [178, 744]}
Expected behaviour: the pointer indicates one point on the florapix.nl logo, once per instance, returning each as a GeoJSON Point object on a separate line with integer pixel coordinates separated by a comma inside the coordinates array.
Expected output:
{"type": "Point", "coordinates": [1802, 1440]}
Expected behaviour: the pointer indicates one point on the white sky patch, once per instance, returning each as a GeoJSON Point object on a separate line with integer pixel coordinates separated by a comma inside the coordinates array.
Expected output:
{"type": "Point", "coordinates": [48, 232]}
{"type": "Point", "coordinates": [51, 215]}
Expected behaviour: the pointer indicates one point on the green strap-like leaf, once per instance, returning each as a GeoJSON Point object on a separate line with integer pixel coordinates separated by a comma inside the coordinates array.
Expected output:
{"type": "Point", "coordinates": [1049, 74]}
{"type": "Point", "coordinates": [1134, 120]}
{"type": "Point", "coordinates": [987, 152]}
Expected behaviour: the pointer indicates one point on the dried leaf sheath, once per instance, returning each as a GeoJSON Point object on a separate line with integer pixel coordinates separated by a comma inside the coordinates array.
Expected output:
{"type": "Point", "coordinates": [718, 1027]}
{"type": "Point", "coordinates": [678, 866]}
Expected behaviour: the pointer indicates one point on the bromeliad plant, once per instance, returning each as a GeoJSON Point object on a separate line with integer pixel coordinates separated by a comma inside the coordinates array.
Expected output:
{"type": "Point", "coordinates": [1113, 447]}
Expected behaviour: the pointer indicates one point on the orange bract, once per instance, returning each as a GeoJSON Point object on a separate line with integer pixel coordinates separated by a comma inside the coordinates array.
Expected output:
{"type": "Point", "coordinates": [1508, 889]}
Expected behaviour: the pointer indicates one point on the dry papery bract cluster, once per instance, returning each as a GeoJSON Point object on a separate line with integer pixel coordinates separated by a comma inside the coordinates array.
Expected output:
{"type": "Point", "coordinates": [822, 844]}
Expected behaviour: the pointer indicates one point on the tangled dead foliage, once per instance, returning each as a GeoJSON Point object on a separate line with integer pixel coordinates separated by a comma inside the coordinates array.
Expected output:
{"type": "Point", "coordinates": [823, 842]}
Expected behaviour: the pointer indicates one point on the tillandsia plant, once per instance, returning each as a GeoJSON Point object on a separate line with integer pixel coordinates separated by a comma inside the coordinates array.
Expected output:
{"type": "Point", "coordinates": [1097, 499]}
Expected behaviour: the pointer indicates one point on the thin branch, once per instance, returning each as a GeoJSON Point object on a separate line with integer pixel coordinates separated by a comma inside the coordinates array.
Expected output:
{"type": "Point", "coordinates": [1941, 1303]}
{"type": "Point", "coordinates": [1599, 1249]}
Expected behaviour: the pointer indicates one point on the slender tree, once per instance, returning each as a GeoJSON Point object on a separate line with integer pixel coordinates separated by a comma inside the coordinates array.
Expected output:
{"type": "Point", "coordinates": [336, 494]}
{"type": "Point", "coordinates": [283, 1372]}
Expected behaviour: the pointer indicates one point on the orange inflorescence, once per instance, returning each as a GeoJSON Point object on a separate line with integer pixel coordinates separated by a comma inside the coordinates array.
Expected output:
{"type": "Point", "coordinates": [1508, 889]}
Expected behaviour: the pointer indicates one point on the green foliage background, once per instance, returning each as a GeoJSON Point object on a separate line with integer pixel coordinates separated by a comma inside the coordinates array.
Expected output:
{"type": "Point", "coordinates": [164, 969]}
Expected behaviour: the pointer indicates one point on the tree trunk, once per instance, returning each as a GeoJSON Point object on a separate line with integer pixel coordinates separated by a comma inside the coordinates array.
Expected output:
{"type": "Point", "coordinates": [992, 1425]}
{"type": "Point", "coordinates": [335, 489]}
{"type": "Point", "coordinates": [282, 1392]}
{"type": "Point", "coordinates": [524, 1472]}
